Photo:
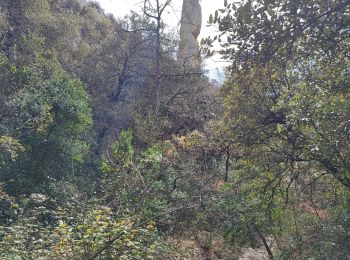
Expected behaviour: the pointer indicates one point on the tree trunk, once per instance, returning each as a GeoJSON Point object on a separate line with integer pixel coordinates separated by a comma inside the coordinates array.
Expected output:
{"type": "Point", "coordinates": [266, 245]}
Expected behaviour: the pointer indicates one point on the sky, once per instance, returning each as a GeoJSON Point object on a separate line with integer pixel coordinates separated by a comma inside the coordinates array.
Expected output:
{"type": "Point", "coordinates": [120, 8]}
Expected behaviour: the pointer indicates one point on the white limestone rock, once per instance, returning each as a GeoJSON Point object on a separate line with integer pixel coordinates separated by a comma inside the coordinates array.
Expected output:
{"type": "Point", "coordinates": [191, 22]}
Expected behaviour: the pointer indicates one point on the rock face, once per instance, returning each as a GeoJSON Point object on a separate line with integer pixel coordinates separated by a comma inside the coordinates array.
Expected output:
{"type": "Point", "coordinates": [191, 21]}
{"type": "Point", "coordinates": [83, 2]}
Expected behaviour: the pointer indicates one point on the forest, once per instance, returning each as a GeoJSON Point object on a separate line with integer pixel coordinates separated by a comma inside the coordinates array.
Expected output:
{"type": "Point", "coordinates": [111, 149]}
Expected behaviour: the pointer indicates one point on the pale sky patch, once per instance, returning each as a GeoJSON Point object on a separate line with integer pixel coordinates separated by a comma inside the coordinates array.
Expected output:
{"type": "Point", "coordinates": [120, 8]}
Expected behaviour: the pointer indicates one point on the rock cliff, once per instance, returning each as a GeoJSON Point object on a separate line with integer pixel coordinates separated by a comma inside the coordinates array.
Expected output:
{"type": "Point", "coordinates": [191, 21]}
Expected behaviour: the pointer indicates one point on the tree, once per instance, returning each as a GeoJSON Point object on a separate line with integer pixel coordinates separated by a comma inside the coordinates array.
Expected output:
{"type": "Point", "coordinates": [157, 14]}
{"type": "Point", "coordinates": [285, 92]}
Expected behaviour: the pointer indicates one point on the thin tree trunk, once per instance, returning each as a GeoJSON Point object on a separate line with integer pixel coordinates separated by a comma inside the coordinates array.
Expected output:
{"type": "Point", "coordinates": [266, 245]}
{"type": "Point", "coordinates": [227, 165]}
{"type": "Point", "coordinates": [157, 74]}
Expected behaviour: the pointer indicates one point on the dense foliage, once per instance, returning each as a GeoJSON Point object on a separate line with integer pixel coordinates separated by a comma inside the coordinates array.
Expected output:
{"type": "Point", "coordinates": [109, 150]}
{"type": "Point", "coordinates": [287, 121]}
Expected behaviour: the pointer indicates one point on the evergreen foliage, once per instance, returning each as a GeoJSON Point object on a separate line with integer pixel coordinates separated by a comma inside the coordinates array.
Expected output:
{"type": "Point", "coordinates": [109, 150]}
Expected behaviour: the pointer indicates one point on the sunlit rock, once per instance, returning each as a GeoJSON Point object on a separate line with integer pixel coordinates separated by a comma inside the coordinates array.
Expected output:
{"type": "Point", "coordinates": [191, 21]}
